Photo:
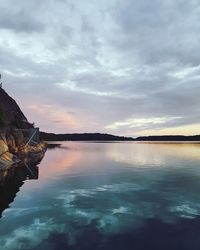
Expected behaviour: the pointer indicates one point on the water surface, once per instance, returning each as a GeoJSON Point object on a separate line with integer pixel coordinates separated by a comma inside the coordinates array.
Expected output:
{"type": "Point", "coordinates": [108, 196]}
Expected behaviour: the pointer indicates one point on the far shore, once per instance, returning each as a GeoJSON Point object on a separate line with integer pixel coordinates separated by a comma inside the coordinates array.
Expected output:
{"type": "Point", "coordinates": [99, 137]}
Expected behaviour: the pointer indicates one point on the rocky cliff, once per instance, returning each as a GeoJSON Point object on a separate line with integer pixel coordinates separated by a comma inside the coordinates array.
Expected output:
{"type": "Point", "coordinates": [18, 137]}
{"type": "Point", "coordinates": [10, 113]}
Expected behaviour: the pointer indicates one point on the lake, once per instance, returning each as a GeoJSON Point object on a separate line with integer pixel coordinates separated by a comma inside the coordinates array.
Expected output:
{"type": "Point", "coordinates": [87, 196]}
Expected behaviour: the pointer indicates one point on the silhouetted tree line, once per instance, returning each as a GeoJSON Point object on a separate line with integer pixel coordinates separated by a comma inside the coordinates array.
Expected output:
{"type": "Point", "coordinates": [108, 137]}
{"type": "Point", "coordinates": [169, 138]}
{"type": "Point", "coordinates": [83, 137]}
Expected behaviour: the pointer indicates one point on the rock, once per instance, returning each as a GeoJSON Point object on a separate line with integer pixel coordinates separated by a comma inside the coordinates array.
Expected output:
{"type": "Point", "coordinates": [10, 113]}
{"type": "Point", "coordinates": [18, 138]}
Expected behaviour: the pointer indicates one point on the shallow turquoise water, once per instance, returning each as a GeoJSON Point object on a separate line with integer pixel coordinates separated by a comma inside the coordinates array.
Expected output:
{"type": "Point", "coordinates": [108, 196]}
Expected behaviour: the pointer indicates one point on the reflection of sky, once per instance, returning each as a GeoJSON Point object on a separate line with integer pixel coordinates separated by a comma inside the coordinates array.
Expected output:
{"type": "Point", "coordinates": [87, 184]}
{"type": "Point", "coordinates": [153, 153]}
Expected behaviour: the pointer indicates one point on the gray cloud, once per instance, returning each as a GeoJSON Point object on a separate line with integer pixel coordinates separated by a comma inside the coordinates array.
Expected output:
{"type": "Point", "coordinates": [101, 63]}
{"type": "Point", "coordinates": [19, 22]}
{"type": "Point", "coordinates": [20, 17]}
{"type": "Point", "coordinates": [169, 28]}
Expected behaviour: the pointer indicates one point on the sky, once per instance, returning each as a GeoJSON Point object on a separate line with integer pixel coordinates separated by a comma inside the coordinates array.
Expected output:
{"type": "Point", "coordinates": [125, 67]}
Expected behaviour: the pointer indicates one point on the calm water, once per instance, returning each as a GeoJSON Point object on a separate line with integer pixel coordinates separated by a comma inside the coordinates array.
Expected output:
{"type": "Point", "coordinates": [106, 196]}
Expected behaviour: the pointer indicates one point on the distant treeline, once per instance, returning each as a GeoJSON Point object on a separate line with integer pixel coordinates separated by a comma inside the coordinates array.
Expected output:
{"type": "Point", "coordinates": [169, 138]}
{"type": "Point", "coordinates": [108, 137]}
{"type": "Point", "coordinates": [83, 137]}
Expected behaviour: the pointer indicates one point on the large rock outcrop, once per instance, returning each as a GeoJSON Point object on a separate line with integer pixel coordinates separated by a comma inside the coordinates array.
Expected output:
{"type": "Point", "coordinates": [18, 137]}
{"type": "Point", "coordinates": [10, 113]}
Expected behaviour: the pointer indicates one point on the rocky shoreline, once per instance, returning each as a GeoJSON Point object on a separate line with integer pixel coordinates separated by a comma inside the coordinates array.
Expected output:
{"type": "Point", "coordinates": [19, 139]}
{"type": "Point", "coordinates": [13, 153]}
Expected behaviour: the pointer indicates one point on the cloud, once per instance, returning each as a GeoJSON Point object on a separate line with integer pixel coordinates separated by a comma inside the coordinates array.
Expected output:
{"type": "Point", "coordinates": [142, 123]}
{"type": "Point", "coordinates": [168, 28]}
{"type": "Point", "coordinates": [30, 236]}
{"type": "Point", "coordinates": [107, 62]}
{"type": "Point", "coordinates": [25, 24]}
{"type": "Point", "coordinates": [21, 17]}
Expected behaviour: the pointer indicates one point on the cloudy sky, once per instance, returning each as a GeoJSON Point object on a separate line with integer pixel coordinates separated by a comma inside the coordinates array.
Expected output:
{"type": "Point", "coordinates": [126, 67]}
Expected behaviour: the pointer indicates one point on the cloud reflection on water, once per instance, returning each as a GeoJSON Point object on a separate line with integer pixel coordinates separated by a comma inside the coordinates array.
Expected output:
{"type": "Point", "coordinates": [112, 189]}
